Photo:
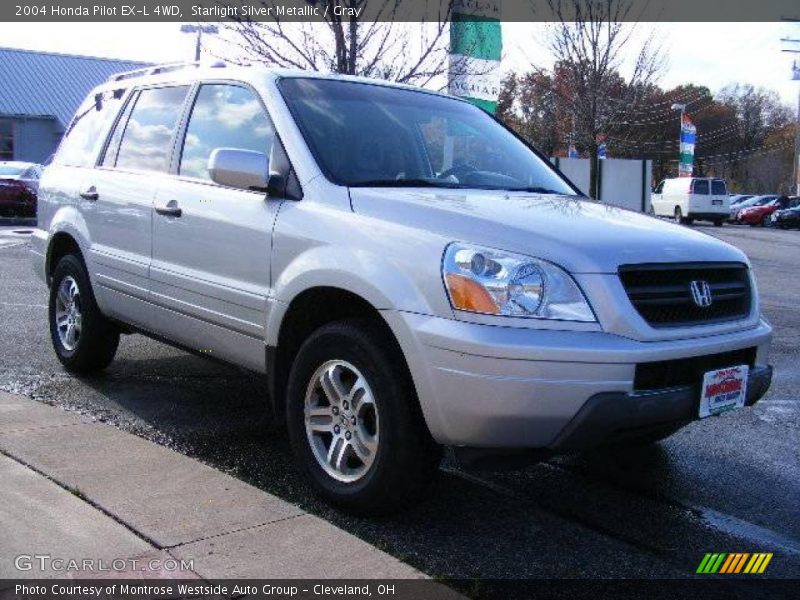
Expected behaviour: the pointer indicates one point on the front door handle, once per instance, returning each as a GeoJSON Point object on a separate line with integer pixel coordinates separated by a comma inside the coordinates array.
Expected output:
{"type": "Point", "coordinates": [90, 194]}
{"type": "Point", "coordinates": [170, 210]}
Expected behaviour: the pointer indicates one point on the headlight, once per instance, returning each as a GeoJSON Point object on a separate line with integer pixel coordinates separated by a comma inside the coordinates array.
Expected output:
{"type": "Point", "coordinates": [483, 280]}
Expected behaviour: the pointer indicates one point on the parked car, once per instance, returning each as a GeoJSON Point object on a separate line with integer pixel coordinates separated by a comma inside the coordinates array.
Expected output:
{"type": "Point", "coordinates": [737, 202]}
{"type": "Point", "coordinates": [787, 218]}
{"type": "Point", "coordinates": [737, 198]}
{"type": "Point", "coordinates": [402, 291]}
{"type": "Point", "coordinates": [734, 212]}
{"type": "Point", "coordinates": [760, 212]}
{"type": "Point", "coordinates": [19, 184]}
{"type": "Point", "coordinates": [687, 199]}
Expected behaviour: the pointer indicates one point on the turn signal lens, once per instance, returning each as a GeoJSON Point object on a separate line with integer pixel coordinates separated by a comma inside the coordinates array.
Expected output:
{"type": "Point", "coordinates": [469, 295]}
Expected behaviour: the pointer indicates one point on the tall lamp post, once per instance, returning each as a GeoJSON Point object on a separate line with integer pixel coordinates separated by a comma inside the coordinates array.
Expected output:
{"type": "Point", "coordinates": [682, 108]}
{"type": "Point", "coordinates": [199, 30]}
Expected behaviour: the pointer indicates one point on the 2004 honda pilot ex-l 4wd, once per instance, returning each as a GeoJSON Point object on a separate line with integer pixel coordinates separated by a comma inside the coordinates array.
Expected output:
{"type": "Point", "coordinates": [407, 272]}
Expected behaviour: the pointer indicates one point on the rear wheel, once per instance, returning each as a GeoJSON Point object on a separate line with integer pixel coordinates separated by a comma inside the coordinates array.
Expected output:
{"type": "Point", "coordinates": [83, 339]}
{"type": "Point", "coordinates": [354, 420]}
{"type": "Point", "coordinates": [718, 223]}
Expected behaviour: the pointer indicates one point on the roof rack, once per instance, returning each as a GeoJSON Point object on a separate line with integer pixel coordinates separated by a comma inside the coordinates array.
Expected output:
{"type": "Point", "coordinates": [164, 68]}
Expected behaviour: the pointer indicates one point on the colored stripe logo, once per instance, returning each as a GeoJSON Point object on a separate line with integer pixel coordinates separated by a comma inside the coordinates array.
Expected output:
{"type": "Point", "coordinates": [734, 563]}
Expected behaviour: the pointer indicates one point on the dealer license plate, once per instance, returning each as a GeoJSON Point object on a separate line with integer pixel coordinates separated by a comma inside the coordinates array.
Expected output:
{"type": "Point", "coordinates": [723, 390]}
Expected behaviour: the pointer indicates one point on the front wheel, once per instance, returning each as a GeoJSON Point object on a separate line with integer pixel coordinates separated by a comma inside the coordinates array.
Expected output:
{"type": "Point", "coordinates": [718, 223]}
{"type": "Point", "coordinates": [83, 339]}
{"type": "Point", "coordinates": [766, 221]}
{"type": "Point", "coordinates": [678, 215]}
{"type": "Point", "coordinates": [354, 420]}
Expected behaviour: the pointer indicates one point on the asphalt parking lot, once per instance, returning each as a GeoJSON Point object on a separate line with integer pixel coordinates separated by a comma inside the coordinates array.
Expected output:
{"type": "Point", "coordinates": [726, 484]}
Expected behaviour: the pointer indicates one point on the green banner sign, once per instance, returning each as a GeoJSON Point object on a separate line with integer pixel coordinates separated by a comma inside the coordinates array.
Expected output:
{"type": "Point", "coordinates": [476, 48]}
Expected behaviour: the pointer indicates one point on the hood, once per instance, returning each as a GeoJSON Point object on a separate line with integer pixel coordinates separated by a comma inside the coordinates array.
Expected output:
{"type": "Point", "coordinates": [580, 235]}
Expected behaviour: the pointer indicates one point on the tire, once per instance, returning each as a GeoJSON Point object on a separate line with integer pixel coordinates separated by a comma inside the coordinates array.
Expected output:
{"type": "Point", "coordinates": [679, 215]}
{"type": "Point", "coordinates": [401, 458]}
{"type": "Point", "coordinates": [718, 223]}
{"type": "Point", "coordinates": [93, 340]}
{"type": "Point", "coordinates": [766, 222]}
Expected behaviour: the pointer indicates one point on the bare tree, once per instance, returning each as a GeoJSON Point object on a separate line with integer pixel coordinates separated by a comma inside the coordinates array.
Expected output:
{"type": "Point", "coordinates": [381, 46]}
{"type": "Point", "coordinates": [590, 42]}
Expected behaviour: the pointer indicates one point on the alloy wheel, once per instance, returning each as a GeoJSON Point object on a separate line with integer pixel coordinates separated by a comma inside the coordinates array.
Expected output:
{"type": "Point", "coordinates": [69, 319]}
{"type": "Point", "coordinates": [341, 420]}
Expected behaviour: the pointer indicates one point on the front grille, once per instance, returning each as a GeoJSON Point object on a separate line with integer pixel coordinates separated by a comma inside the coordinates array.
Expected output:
{"type": "Point", "coordinates": [661, 293]}
{"type": "Point", "coordinates": [688, 371]}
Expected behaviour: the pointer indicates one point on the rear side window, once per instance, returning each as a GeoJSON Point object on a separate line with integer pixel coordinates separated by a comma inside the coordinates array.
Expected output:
{"type": "Point", "coordinates": [224, 116]}
{"type": "Point", "coordinates": [146, 143]}
{"type": "Point", "coordinates": [718, 187]}
{"type": "Point", "coordinates": [87, 132]}
{"type": "Point", "coordinates": [700, 186]}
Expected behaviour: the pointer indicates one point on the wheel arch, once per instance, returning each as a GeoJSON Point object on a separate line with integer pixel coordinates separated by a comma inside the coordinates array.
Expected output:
{"type": "Point", "coordinates": [309, 310]}
{"type": "Point", "coordinates": [61, 244]}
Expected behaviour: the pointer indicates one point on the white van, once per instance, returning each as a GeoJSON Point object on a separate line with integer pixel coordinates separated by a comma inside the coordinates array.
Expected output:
{"type": "Point", "coordinates": [688, 198]}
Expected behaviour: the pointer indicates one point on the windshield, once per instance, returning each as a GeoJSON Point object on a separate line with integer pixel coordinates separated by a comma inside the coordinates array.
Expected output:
{"type": "Point", "coordinates": [6, 170]}
{"type": "Point", "coordinates": [372, 135]}
{"type": "Point", "coordinates": [764, 200]}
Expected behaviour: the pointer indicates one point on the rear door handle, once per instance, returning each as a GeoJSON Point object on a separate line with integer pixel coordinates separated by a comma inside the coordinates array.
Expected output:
{"type": "Point", "coordinates": [90, 194]}
{"type": "Point", "coordinates": [169, 210]}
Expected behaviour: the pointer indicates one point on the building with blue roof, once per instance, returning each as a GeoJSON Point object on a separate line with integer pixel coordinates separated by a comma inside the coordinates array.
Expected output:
{"type": "Point", "coordinates": [39, 93]}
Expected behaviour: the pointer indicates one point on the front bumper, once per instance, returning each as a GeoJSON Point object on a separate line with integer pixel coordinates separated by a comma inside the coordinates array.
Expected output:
{"type": "Point", "coordinates": [485, 386]}
{"type": "Point", "coordinates": [615, 417]}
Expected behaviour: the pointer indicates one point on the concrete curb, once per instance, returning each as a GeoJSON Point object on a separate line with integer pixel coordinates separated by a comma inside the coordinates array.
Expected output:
{"type": "Point", "coordinates": [174, 505]}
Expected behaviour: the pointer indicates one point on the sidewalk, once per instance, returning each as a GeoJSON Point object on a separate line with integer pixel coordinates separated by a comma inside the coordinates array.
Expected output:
{"type": "Point", "coordinates": [74, 489]}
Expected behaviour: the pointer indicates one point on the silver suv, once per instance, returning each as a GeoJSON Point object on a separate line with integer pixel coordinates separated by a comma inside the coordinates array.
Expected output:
{"type": "Point", "coordinates": [407, 272]}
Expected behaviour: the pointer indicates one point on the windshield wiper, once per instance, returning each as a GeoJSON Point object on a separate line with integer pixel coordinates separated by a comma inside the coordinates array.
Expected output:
{"type": "Point", "coordinates": [405, 183]}
{"type": "Point", "coordinates": [537, 190]}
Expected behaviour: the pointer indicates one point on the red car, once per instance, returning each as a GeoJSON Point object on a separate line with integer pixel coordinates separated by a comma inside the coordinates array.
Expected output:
{"type": "Point", "coordinates": [19, 185]}
{"type": "Point", "coordinates": [761, 210]}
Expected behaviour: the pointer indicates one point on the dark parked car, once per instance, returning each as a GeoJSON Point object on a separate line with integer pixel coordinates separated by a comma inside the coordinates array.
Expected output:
{"type": "Point", "coordinates": [789, 217]}
{"type": "Point", "coordinates": [19, 185]}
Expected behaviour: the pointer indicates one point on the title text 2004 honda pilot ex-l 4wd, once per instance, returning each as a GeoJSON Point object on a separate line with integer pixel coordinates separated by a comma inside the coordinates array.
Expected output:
{"type": "Point", "coordinates": [407, 272]}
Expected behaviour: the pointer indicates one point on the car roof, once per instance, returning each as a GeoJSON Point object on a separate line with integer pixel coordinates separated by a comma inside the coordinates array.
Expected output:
{"type": "Point", "coordinates": [258, 73]}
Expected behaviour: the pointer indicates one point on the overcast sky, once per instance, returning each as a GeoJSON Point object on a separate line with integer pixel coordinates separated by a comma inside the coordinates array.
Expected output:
{"type": "Point", "coordinates": [712, 54]}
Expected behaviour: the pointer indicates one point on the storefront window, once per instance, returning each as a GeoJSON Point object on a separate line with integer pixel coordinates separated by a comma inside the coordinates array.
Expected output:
{"type": "Point", "coordinates": [6, 139]}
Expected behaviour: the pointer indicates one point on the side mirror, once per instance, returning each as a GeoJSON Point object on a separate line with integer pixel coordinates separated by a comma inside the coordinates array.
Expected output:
{"type": "Point", "coordinates": [243, 169]}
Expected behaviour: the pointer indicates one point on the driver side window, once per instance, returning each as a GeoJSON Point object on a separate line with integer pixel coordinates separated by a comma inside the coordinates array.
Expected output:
{"type": "Point", "coordinates": [223, 116]}
{"type": "Point", "coordinates": [659, 188]}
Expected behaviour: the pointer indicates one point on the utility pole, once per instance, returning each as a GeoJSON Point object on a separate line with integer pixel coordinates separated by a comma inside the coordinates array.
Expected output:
{"type": "Point", "coordinates": [199, 30]}
{"type": "Point", "coordinates": [795, 77]}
